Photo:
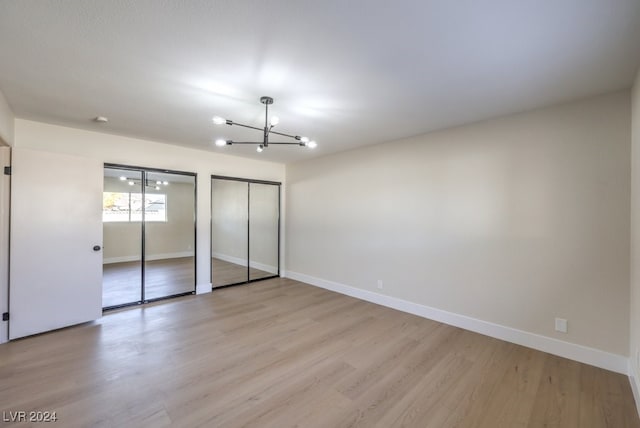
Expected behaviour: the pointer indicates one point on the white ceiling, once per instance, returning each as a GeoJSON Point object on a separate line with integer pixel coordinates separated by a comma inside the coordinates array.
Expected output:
{"type": "Point", "coordinates": [347, 73]}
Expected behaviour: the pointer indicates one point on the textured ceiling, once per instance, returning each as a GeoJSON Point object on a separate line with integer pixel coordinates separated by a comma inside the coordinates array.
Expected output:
{"type": "Point", "coordinates": [347, 73]}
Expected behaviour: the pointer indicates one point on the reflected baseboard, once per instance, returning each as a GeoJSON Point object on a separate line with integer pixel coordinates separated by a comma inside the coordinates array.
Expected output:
{"type": "Point", "coordinates": [243, 262]}
{"type": "Point", "coordinates": [150, 257]}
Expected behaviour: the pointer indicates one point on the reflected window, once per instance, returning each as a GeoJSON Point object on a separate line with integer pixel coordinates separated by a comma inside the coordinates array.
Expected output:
{"type": "Point", "coordinates": [127, 207]}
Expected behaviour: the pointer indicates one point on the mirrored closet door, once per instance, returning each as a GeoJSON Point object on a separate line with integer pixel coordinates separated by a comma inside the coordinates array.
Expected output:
{"type": "Point", "coordinates": [245, 230]}
{"type": "Point", "coordinates": [149, 219]}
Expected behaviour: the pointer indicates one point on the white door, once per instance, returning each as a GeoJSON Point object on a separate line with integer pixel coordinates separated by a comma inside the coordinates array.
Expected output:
{"type": "Point", "coordinates": [56, 220]}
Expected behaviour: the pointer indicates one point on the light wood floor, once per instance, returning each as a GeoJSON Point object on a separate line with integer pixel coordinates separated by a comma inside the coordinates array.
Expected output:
{"type": "Point", "coordinates": [280, 353]}
{"type": "Point", "coordinates": [166, 277]}
{"type": "Point", "coordinates": [226, 273]}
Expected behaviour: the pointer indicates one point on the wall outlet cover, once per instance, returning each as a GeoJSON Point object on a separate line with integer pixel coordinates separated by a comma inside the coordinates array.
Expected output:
{"type": "Point", "coordinates": [561, 325]}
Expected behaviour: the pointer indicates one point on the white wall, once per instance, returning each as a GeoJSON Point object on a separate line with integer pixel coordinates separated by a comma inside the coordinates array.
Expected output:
{"type": "Point", "coordinates": [634, 349]}
{"type": "Point", "coordinates": [6, 122]}
{"type": "Point", "coordinates": [130, 151]}
{"type": "Point", "coordinates": [512, 221]}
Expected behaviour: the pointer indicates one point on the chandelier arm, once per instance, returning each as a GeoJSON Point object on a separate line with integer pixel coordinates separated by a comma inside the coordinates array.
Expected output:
{"type": "Point", "coordinates": [230, 142]}
{"type": "Point", "coordinates": [285, 135]}
{"type": "Point", "coordinates": [247, 126]}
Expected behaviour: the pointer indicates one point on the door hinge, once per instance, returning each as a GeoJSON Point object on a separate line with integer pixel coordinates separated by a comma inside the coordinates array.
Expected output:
{"type": "Point", "coordinates": [5, 316]}
{"type": "Point", "coordinates": [7, 170]}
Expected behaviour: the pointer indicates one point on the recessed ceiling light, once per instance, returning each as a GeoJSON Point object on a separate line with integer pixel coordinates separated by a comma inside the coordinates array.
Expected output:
{"type": "Point", "coordinates": [101, 119]}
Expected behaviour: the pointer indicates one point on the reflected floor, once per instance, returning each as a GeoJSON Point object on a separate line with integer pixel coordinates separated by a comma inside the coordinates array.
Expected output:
{"type": "Point", "coordinates": [226, 273]}
{"type": "Point", "coordinates": [121, 281]}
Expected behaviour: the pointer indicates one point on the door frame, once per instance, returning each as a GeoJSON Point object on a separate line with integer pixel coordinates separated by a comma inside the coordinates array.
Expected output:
{"type": "Point", "coordinates": [5, 217]}
{"type": "Point", "coordinates": [249, 181]}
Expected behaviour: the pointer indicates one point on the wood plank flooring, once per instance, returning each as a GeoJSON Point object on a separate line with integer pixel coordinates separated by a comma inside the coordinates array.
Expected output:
{"type": "Point", "coordinates": [280, 353]}
{"type": "Point", "coordinates": [165, 277]}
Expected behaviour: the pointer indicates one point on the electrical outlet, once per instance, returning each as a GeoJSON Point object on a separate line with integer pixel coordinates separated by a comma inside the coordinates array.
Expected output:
{"type": "Point", "coordinates": [380, 286]}
{"type": "Point", "coordinates": [561, 325]}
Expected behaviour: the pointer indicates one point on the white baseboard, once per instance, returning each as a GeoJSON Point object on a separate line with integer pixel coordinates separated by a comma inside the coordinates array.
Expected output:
{"type": "Point", "coordinates": [583, 354]}
{"type": "Point", "coordinates": [203, 288]}
{"type": "Point", "coordinates": [150, 257]}
{"type": "Point", "coordinates": [243, 262]}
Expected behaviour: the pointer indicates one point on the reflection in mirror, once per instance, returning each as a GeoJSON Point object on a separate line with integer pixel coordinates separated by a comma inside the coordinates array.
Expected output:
{"type": "Point", "coordinates": [264, 201]}
{"type": "Point", "coordinates": [169, 232]}
{"type": "Point", "coordinates": [229, 232]}
{"type": "Point", "coordinates": [122, 237]}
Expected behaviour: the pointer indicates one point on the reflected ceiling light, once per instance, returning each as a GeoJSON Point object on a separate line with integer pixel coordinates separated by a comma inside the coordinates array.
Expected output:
{"type": "Point", "coordinates": [149, 183]}
{"type": "Point", "coordinates": [266, 131]}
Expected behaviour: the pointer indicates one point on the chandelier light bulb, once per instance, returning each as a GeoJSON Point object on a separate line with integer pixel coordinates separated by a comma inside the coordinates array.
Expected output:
{"type": "Point", "coordinates": [219, 120]}
{"type": "Point", "coordinates": [158, 182]}
{"type": "Point", "coordinates": [166, 183]}
{"type": "Point", "coordinates": [123, 178]}
{"type": "Point", "coordinates": [157, 187]}
{"type": "Point", "coordinates": [131, 183]}
{"type": "Point", "coordinates": [312, 144]}
{"type": "Point", "coordinates": [274, 120]}
{"type": "Point", "coordinates": [260, 148]}
{"type": "Point", "coordinates": [220, 142]}
{"type": "Point", "coordinates": [304, 139]}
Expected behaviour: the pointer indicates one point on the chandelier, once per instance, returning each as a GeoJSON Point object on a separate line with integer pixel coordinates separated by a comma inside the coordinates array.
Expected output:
{"type": "Point", "coordinates": [266, 131]}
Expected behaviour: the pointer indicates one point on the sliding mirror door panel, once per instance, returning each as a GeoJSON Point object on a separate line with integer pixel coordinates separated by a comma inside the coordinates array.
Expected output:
{"type": "Point", "coordinates": [229, 232]}
{"type": "Point", "coordinates": [169, 234]}
{"type": "Point", "coordinates": [122, 237]}
{"type": "Point", "coordinates": [264, 217]}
